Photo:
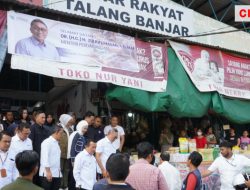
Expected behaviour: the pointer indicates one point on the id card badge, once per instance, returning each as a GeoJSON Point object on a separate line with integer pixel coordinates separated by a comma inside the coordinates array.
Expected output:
{"type": "Point", "coordinates": [3, 173]}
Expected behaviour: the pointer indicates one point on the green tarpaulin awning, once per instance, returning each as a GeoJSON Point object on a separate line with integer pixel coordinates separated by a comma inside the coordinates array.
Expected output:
{"type": "Point", "coordinates": [182, 99]}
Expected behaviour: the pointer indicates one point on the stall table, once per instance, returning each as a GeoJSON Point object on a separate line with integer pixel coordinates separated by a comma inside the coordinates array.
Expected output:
{"type": "Point", "coordinates": [209, 183]}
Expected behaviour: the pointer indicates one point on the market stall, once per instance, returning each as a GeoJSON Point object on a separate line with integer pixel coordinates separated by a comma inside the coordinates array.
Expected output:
{"type": "Point", "coordinates": [178, 160]}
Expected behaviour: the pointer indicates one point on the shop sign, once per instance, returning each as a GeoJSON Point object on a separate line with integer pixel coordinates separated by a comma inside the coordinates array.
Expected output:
{"type": "Point", "coordinates": [215, 70]}
{"type": "Point", "coordinates": [76, 52]}
{"type": "Point", "coordinates": [154, 16]}
{"type": "Point", "coordinates": [164, 17]}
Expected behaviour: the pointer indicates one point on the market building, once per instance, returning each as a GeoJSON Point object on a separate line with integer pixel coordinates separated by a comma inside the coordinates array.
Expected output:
{"type": "Point", "coordinates": [144, 33]}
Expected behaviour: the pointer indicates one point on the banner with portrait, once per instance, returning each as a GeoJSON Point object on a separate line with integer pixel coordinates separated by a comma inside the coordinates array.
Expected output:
{"type": "Point", "coordinates": [76, 52]}
{"type": "Point", "coordinates": [215, 70]}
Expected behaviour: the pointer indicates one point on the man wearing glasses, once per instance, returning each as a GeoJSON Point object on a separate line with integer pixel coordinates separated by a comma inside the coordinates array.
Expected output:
{"type": "Point", "coordinates": [20, 141]}
{"type": "Point", "coordinates": [228, 166]}
{"type": "Point", "coordinates": [36, 45]}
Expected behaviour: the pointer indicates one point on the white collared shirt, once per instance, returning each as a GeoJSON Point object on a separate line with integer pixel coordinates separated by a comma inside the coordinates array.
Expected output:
{"type": "Point", "coordinates": [17, 145]}
{"type": "Point", "coordinates": [121, 132]}
{"type": "Point", "coordinates": [7, 162]}
{"type": "Point", "coordinates": [106, 148]}
{"type": "Point", "coordinates": [229, 168]}
{"type": "Point", "coordinates": [50, 157]}
{"type": "Point", "coordinates": [171, 175]}
{"type": "Point", "coordinates": [85, 170]}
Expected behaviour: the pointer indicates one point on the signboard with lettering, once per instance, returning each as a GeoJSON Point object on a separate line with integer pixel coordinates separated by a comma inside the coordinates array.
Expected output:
{"type": "Point", "coordinates": [215, 70]}
{"type": "Point", "coordinates": [76, 52]}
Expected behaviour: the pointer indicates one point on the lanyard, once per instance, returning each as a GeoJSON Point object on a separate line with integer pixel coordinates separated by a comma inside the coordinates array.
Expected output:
{"type": "Point", "coordinates": [231, 163]}
{"type": "Point", "coordinates": [3, 161]}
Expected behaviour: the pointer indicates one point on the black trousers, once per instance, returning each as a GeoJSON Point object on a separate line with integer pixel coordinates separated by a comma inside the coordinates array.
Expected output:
{"type": "Point", "coordinates": [53, 185]}
{"type": "Point", "coordinates": [36, 179]}
{"type": "Point", "coordinates": [72, 182]}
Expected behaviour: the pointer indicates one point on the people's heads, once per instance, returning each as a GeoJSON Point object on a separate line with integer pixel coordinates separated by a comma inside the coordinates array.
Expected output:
{"type": "Point", "coordinates": [27, 163]}
{"type": "Point", "coordinates": [35, 109]}
{"type": "Point", "coordinates": [66, 120]}
{"type": "Point", "coordinates": [245, 133]}
{"type": "Point", "coordinates": [165, 156]}
{"type": "Point", "coordinates": [9, 116]}
{"type": "Point", "coordinates": [199, 132]}
{"type": "Point", "coordinates": [145, 150]}
{"type": "Point", "coordinates": [205, 55]}
{"type": "Point", "coordinates": [112, 134]}
{"type": "Point", "coordinates": [89, 117]}
{"type": "Point", "coordinates": [114, 121]}
{"type": "Point", "coordinates": [57, 132]}
{"type": "Point", "coordinates": [98, 122]}
{"type": "Point", "coordinates": [213, 66]}
{"type": "Point", "coordinates": [153, 160]}
{"type": "Point", "coordinates": [5, 140]}
{"type": "Point", "coordinates": [49, 118]}
{"type": "Point", "coordinates": [183, 133]}
{"type": "Point", "coordinates": [210, 130]}
{"type": "Point", "coordinates": [90, 146]}
{"type": "Point", "coordinates": [232, 131]}
{"type": "Point", "coordinates": [24, 114]}
{"type": "Point", "coordinates": [226, 149]}
{"type": "Point", "coordinates": [117, 167]}
{"type": "Point", "coordinates": [39, 30]}
{"type": "Point", "coordinates": [194, 159]}
{"type": "Point", "coordinates": [40, 117]}
{"type": "Point", "coordinates": [73, 115]}
{"type": "Point", "coordinates": [165, 130]}
{"type": "Point", "coordinates": [23, 131]}
{"type": "Point", "coordinates": [82, 127]}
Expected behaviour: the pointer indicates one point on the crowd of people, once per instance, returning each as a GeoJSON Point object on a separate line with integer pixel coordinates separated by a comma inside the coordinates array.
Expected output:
{"type": "Point", "coordinates": [204, 135]}
{"type": "Point", "coordinates": [38, 153]}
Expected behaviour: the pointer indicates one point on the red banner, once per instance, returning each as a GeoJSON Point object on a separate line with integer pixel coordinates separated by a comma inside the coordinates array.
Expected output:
{"type": "Point", "coordinates": [76, 52]}
{"type": "Point", "coordinates": [3, 21]}
{"type": "Point", "coordinates": [214, 70]}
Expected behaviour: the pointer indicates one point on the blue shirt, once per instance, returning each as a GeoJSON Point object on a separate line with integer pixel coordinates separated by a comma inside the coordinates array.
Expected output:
{"type": "Point", "coordinates": [78, 144]}
{"type": "Point", "coordinates": [101, 184]}
{"type": "Point", "coordinates": [32, 47]}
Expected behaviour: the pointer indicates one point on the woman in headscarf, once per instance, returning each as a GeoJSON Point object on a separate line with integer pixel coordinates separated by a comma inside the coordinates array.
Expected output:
{"type": "Point", "coordinates": [66, 121]}
{"type": "Point", "coordinates": [77, 142]}
{"type": "Point", "coordinates": [78, 139]}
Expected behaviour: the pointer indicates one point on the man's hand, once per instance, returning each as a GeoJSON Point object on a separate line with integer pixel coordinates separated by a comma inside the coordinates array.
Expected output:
{"type": "Point", "coordinates": [49, 175]}
{"type": "Point", "coordinates": [206, 173]}
{"type": "Point", "coordinates": [247, 183]}
{"type": "Point", "coordinates": [104, 173]}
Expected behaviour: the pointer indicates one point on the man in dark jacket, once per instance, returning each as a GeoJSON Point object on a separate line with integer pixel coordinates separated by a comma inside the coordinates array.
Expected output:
{"type": "Point", "coordinates": [38, 134]}
{"type": "Point", "coordinates": [96, 131]}
{"type": "Point", "coordinates": [9, 119]}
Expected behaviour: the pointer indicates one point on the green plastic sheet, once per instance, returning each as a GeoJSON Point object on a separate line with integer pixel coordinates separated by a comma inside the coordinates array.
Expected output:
{"type": "Point", "coordinates": [182, 99]}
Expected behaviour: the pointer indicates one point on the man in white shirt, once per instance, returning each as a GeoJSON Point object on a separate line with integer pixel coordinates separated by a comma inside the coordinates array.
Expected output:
{"type": "Point", "coordinates": [85, 167]}
{"type": "Point", "coordinates": [7, 162]}
{"type": "Point", "coordinates": [119, 142]}
{"type": "Point", "coordinates": [228, 166]}
{"type": "Point", "coordinates": [170, 173]}
{"type": "Point", "coordinates": [105, 147]}
{"type": "Point", "coordinates": [20, 141]}
{"type": "Point", "coordinates": [50, 171]}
